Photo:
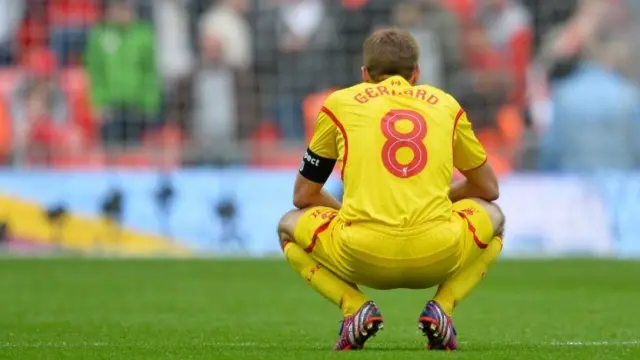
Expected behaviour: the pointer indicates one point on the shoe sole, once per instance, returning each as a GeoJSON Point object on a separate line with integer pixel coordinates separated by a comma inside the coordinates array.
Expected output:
{"type": "Point", "coordinates": [429, 328]}
{"type": "Point", "coordinates": [371, 327]}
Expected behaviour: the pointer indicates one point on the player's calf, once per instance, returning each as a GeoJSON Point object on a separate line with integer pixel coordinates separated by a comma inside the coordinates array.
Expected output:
{"type": "Point", "coordinates": [435, 319]}
{"type": "Point", "coordinates": [298, 233]}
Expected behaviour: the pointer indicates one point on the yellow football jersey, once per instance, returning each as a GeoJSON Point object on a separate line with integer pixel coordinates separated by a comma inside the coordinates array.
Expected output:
{"type": "Point", "coordinates": [398, 145]}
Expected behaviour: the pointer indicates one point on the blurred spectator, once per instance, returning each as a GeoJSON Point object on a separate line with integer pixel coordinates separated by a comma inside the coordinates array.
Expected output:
{"type": "Point", "coordinates": [121, 63]}
{"type": "Point", "coordinates": [485, 84]}
{"type": "Point", "coordinates": [175, 54]}
{"type": "Point", "coordinates": [176, 57]}
{"type": "Point", "coordinates": [507, 26]}
{"type": "Point", "coordinates": [547, 15]}
{"type": "Point", "coordinates": [69, 23]}
{"type": "Point", "coordinates": [478, 50]}
{"type": "Point", "coordinates": [225, 35]}
{"type": "Point", "coordinates": [562, 51]}
{"type": "Point", "coordinates": [436, 29]}
{"type": "Point", "coordinates": [297, 48]}
{"type": "Point", "coordinates": [562, 47]}
{"type": "Point", "coordinates": [632, 34]}
{"type": "Point", "coordinates": [34, 31]}
{"type": "Point", "coordinates": [633, 7]}
{"type": "Point", "coordinates": [226, 57]}
{"type": "Point", "coordinates": [197, 9]}
{"type": "Point", "coordinates": [356, 19]}
{"type": "Point", "coordinates": [464, 9]}
{"type": "Point", "coordinates": [596, 114]}
{"type": "Point", "coordinates": [40, 116]}
{"type": "Point", "coordinates": [11, 13]}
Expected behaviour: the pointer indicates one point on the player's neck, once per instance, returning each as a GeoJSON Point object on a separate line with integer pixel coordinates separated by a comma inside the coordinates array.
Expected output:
{"type": "Point", "coordinates": [383, 78]}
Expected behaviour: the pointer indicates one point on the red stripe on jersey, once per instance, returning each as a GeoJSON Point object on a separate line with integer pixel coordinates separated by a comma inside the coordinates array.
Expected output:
{"type": "Point", "coordinates": [460, 112]}
{"type": "Point", "coordinates": [335, 120]}
{"type": "Point", "coordinates": [455, 125]}
{"type": "Point", "coordinates": [322, 228]}
{"type": "Point", "coordinates": [472, 229]}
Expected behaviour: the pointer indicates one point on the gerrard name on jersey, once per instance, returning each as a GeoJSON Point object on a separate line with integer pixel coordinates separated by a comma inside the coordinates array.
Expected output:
{"type": "Point", "coordinates": [375, 91]}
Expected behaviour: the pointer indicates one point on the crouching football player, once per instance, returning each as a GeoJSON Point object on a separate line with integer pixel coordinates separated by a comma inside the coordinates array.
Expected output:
{"type": "Point", "coordinates": [401, 224]}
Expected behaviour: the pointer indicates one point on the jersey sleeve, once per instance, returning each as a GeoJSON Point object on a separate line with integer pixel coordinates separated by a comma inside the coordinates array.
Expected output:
{"type": "Point", "coordinates": [468, 152]}
{"type": "Point", "coordinates": [323, 143]}
{"type": "Point", "coordinates": [322, 153]}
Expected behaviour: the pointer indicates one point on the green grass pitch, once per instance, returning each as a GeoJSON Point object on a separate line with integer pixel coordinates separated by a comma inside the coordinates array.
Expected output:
{"type": "Point", "coordinates": [213, 309]}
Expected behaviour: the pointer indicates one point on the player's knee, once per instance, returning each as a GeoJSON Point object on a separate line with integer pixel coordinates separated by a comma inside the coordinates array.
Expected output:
{"type": "Point", "coordinates": [497, 218]}
{"type": "Point", "coordinates": [287, 226]}
{"type": "Point", "coordinates": [495, 214]}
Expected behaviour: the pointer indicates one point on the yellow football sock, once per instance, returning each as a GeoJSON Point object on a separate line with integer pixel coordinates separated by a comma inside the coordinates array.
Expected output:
{"type": "Point", "coordinates": [452, 291]}
{"type": "Point", "coordinates": [339, 292]}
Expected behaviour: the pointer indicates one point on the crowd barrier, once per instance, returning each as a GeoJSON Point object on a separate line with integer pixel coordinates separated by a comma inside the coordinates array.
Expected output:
{"type": "Point", "coordinates": [234, 212]}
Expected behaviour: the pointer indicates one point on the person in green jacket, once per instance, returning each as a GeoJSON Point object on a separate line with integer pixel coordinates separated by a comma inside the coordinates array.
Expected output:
{"type": "Point", "coordinates": [124, 81]}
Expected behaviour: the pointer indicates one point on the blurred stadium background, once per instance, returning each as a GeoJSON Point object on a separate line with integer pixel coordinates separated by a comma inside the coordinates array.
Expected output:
{"type": "Point", "coordinates": [174, 127]}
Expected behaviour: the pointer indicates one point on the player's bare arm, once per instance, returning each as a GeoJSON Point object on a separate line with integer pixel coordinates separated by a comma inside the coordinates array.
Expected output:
{"type": "Point", "coordinates": [307, 193]}
{"type": "Point", "coordinates": [481, 182]}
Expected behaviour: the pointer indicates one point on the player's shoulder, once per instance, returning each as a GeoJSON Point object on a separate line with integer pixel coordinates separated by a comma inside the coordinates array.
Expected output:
{"type": "Point", "coordinates": [444, 97]}
{"type": "Point", "coordinates": [445, 100]}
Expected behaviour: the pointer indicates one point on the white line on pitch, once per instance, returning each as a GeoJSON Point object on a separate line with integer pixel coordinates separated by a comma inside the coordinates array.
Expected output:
{"type": "Point", "coordinates": [594, 343]}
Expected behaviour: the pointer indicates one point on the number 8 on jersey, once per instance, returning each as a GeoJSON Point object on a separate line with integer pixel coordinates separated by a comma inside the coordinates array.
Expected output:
{"type": "Point", "coordinates": [396, 140]}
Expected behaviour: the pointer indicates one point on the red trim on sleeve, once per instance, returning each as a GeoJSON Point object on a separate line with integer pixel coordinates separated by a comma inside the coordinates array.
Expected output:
{"type": "Point", "coordinates": [335, 120]}
{"type": "Point", "coordinates": [455, 125]}
{"type": "Point", "coordinates": [453, 133]}
{"type": "Point", "coordinates": [477, 167]}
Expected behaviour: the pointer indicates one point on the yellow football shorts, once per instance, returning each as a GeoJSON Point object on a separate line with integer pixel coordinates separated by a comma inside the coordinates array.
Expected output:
{"type": "Point", "coordinates": [415, 259]}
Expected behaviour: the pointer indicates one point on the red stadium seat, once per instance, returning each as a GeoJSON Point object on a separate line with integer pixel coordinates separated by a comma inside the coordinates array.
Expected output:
{"type": "Point", "coordinates": [33, 33]}
{"type": "Point", "coordinates": [164, 146]}
{"type": "Point", "coordinates": [499, 155]}
{"type": "Point", "coordinates": [465, 9]}
{"type": "Point", "coordinates": [88, 158]}
{"type": "Point", "coordinates": [138, 158]}
{"type": "Point", "coordinates": [511, 125]}
{"type": "Point", "coordinates": [74, 12]}
{"type": "Point", "coordinates": [76, 85]}
{"type": "Point", "coordinates": [354, 4]}
{"type": "Point", "coordinates": [161, 148]}
{"type": "Point", "coordinates": [145, 158]}
{"type": "Point", "coordinates": [265, 133]}
{"type": "Point", "coordinates": [267, 153]}
{"type": "Point", "coordinates": [5, 132]}
{"type": "Point", "coordinates": [276, 157]}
